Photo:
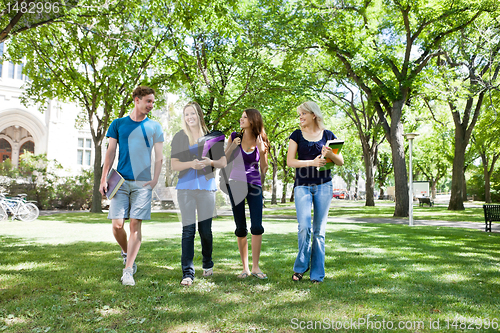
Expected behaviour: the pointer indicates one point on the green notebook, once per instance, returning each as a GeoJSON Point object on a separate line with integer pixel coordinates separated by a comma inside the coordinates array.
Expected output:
{"type": "Point", "coordinates": [336, 146]}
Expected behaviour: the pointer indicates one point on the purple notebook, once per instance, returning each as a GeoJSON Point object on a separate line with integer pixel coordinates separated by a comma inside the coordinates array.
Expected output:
{"type": "Point", "coordinates": [211, 146]}
{"type": "Point", "coordinates": [115, 180]}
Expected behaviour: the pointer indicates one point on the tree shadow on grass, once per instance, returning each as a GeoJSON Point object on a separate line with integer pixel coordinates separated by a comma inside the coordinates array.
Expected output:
{"type": "Point", "coordinates": [388, 272]}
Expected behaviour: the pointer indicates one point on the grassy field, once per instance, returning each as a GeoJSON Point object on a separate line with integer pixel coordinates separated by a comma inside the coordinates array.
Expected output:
{"type": "Point", "coordinates": [378, 276]}
{"type": "Point", "coordinates": [339, 208]}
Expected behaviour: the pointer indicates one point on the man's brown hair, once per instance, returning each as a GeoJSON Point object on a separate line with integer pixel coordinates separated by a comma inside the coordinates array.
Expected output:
{"type": "Point", "coordinates": [142, 91]}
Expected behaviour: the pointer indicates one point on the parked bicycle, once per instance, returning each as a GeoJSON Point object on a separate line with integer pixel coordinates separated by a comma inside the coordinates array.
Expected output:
{"type": "Point", "coordinates": [18, 208]}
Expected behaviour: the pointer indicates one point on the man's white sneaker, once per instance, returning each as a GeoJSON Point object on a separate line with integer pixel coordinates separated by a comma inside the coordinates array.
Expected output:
{"type": "Point", "coordinates": [127, 277]}
{"type": "Point", "coordinates": [134, 266]}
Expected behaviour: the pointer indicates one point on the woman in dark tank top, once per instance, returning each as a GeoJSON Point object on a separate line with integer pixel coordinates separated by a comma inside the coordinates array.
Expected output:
{"type": "Point", "coordinates": [248, 153]}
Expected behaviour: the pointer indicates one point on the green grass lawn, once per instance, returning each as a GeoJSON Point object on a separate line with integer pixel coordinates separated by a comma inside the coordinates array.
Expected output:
{"type": "Point", "coordinates": [337, 209]}
{"type": "Point", "coordinates": [439, 213]}
{"type": "Point", "coordinates": [377, 275]}
{"type": "Point", "coordinates": [340, 208]}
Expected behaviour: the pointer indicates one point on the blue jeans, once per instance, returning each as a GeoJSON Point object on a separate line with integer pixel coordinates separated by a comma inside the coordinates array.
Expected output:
{"type": "Point", "coordinates": [312, 256]}
{"type": "Point", "coordinates": [191, 201]}
{"type": "Point", "coordinates": [255, 202]}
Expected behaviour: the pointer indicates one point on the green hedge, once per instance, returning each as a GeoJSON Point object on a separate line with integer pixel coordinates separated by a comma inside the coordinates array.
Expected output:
{"type": "Point", "coordinates": [38, 178]}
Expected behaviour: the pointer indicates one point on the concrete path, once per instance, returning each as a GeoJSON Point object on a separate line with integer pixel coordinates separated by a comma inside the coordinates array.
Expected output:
{"type": "Point", "coordinates": [59, 232]}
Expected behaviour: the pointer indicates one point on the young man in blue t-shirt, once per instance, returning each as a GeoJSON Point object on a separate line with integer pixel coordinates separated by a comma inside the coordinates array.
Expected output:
{"type": "Point", "coordinates": [136, 136]}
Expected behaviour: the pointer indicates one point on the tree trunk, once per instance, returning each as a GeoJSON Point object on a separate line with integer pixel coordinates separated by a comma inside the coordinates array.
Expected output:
{"type": "Point", "coordinates": [356, 194]}
{"type": "Point", "coordinates": [370, 181]}
{"type": "Point", "coordinates": [285, 183]}
{"type": "Point", "coordinates": [283, 193]}
{"type": "Point", "coordinates": [487, 187]}
{"type": "Point", "coordinates": [464, 187]}
{"type": "Point", "coordinates": [96, 195]}
{"type": "Point", "coordinates": [398, 161]}
{"type": "Point", "coordinates": [433, 188]}
{"type": "Point", "coordinates": [457, 178]}
{"type": "Point", "coordinates": [274, 199]}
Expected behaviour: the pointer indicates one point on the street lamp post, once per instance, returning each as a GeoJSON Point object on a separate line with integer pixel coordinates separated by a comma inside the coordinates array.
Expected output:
{"type": "Point", "coordinates": [410, 137]}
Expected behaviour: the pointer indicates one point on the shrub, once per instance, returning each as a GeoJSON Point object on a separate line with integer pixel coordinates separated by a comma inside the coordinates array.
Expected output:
{"type": "Point", "coordinates": [75, 192]}
{"type": "Point", "coordinates": [475, 186]}
{"type": "Point", "coordinates": [37, 176]}
{"type": "Point", "coordinates": [220, 199]}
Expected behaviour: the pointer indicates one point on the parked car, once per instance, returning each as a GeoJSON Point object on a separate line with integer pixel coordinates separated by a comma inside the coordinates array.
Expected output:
{"type": "Point", "coordinates": [338, 195]}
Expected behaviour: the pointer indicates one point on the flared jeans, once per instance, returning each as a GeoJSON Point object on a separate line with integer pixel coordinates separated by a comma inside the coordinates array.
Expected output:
{"type": "Point", "coordinates": [312, 254]}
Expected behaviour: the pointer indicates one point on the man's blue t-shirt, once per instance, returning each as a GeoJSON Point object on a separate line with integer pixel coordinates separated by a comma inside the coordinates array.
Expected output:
{"type": "Point", "coordinates": [135, 142]}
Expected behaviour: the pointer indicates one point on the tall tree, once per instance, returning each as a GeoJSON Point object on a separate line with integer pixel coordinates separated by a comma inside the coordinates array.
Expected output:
{"type": "Point", "coordinates": [231, 63]}
{"type": "Point", "coordinates": [223, 62]}
{"type": "Point", "coordinates": [279, 126]}
{"type": "Point", "coordinates": [428, 158]}
{"type": "Point", "coordinates": [383, 47]}
{"type": "Point", "coordinates": [365, 119]}
{"type": "Point", "coordinates": [21, 15]}
{"type": "Point", "coordinates": [351, 151]}
{"type": "Point", "coordinates": [384, 170]}
{"type": "Point", "coordinates": [486, 139]}
{"type": "Point", "coordinates": [469, 71]}
{"type": "Point", "coordinates": [93, 61]}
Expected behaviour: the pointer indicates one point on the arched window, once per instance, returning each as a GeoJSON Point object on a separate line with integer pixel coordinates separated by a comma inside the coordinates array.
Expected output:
{"type": "Point", "coordinates": [27, 146]}
{"type": "Point", "coordinates": [5, 150]}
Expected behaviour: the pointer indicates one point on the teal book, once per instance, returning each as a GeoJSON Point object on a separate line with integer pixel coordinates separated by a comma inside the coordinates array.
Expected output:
{"type": "Point", "coordinates": [336, 146]}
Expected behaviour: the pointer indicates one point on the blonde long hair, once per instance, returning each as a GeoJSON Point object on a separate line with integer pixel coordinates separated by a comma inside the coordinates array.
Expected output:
{"type": "Point", "coordinates": [313, 108]}
{"type": "Point", "coordinates": [201, 122]}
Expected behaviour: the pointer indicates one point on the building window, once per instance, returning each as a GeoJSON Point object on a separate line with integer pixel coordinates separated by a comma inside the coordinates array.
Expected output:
{"type": "Point", "coordinates": [28, 146]}
{"type": "Point", "coordinates": [5, 150]}
{"type": "Point", "coordinates": [19, 71]}
{"type": "Point", "coordinates": [12, 71]}
{"type": "Point", "coordinates": [84, 152]}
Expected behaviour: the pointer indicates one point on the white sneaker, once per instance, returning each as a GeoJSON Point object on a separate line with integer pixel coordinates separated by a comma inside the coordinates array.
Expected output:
{"type": "Point", "coordinates": [127, 277]}
{"type": "Point", "coordinates": [134, 266]}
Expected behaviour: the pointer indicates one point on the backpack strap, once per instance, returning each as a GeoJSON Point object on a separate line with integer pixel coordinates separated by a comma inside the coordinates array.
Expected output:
{"type": "Point", "coordinates": [145, 135]}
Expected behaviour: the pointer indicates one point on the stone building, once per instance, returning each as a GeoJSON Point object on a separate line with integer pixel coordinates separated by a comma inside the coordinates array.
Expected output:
{"type": "Point", "coordinates": [49, 130]}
